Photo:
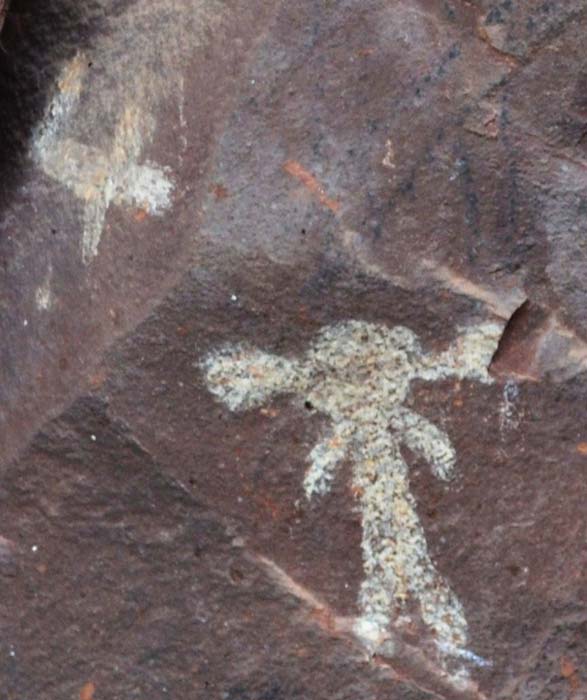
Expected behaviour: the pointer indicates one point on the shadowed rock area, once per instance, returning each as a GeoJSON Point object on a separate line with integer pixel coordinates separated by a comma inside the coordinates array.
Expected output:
{"type": "Point", "coordinates": [294, 350]}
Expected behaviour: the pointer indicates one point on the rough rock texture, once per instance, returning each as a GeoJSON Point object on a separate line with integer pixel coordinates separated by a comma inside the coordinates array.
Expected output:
{"type": "Point", "coordinates": [293, 350]}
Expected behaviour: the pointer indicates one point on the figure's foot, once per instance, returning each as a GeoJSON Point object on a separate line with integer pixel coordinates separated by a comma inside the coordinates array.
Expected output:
{"type": "Point", "coordinates": [450, 650]}
{"type": "Point", "coordinates": [379, 636]}
{"type": "Point", "coordinates": [457, 661]}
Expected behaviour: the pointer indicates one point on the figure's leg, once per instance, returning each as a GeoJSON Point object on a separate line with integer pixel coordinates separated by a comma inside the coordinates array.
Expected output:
{"type": "Point", "coordinates": [439, 606]}
{"type": "Point", "coordinates": [395, 552]}
{"type": "Point", "coordinates": [380, 479]}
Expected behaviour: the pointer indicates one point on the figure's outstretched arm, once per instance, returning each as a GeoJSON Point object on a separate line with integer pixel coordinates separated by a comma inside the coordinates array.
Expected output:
{"type": "Point", "coordinates": [244, 377]}
{"type": "Point", "coordinates": [324, 459]}
{"type": "Point", "coordinates": [468, 357]}
{"type": "Point", "coordinates": [423, 437]}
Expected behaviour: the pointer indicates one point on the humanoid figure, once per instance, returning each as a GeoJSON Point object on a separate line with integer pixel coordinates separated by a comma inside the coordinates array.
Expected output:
{"type": "Point", "coordinates": [359, 374]}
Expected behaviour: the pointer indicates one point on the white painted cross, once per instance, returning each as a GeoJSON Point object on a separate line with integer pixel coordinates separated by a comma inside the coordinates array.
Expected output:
{"type": "Point", "coordinates": [99, 178]}
{"type": "Point", "coordinates": [359, 375]}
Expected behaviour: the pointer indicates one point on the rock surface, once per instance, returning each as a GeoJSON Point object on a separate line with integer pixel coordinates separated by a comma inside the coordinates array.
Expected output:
{"type": "Point", "coordinates": [293, 350]}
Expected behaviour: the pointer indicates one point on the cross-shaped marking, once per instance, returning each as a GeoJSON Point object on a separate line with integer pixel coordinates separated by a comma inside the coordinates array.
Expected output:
{"type": "Point", "coordinates": [96, 177]}
{"type": "Point", "coordinates": [359, 375]}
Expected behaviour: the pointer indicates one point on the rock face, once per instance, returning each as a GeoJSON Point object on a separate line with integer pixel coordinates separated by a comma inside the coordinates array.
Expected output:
{"type": "Point", "coordinates": [293, 350]}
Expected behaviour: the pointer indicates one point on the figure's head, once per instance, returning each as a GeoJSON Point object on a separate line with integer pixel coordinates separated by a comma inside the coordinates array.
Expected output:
{"type": "Point", "coordinates": [350, 348]}
{"type": "Point", "coordinates": [365, 359]}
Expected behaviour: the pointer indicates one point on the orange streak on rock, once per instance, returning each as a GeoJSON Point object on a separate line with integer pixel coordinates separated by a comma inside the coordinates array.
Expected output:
{"type": "Point", "coordinates": [295, 169]}
{"type": "Point", "coordinates": [87, 692]}
{"type": "Point", "coordinates": [569, 671]}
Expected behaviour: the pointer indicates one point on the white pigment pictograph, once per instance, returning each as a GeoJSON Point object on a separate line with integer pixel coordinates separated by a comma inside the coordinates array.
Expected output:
{"type": "Point", "coordinates": [359, 375]}
{"type": "Point", "coordinates": [99, 178]}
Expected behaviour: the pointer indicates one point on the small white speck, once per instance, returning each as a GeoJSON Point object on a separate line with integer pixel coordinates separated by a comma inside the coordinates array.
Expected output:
{"type": "Point", "coordinates": [233, 297]}
{"type": "Point", "coordinates": [25, 323]}
{"type": "Point", "coordinates": [93, 438]}
{"type": "Point", "coordinates": [34, 548]}
{"type": "Point", "coordinates": [12, 653]}
{"type": "Point", "coordinates": [253, 81]}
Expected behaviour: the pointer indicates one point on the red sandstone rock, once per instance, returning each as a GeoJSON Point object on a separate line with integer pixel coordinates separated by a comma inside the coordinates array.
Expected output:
{"type": "Point", "coordinates": [184, 181]}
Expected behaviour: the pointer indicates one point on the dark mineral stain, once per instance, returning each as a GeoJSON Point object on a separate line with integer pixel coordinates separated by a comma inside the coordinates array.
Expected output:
{"type": "Point", "coordinates": [37, 38]}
